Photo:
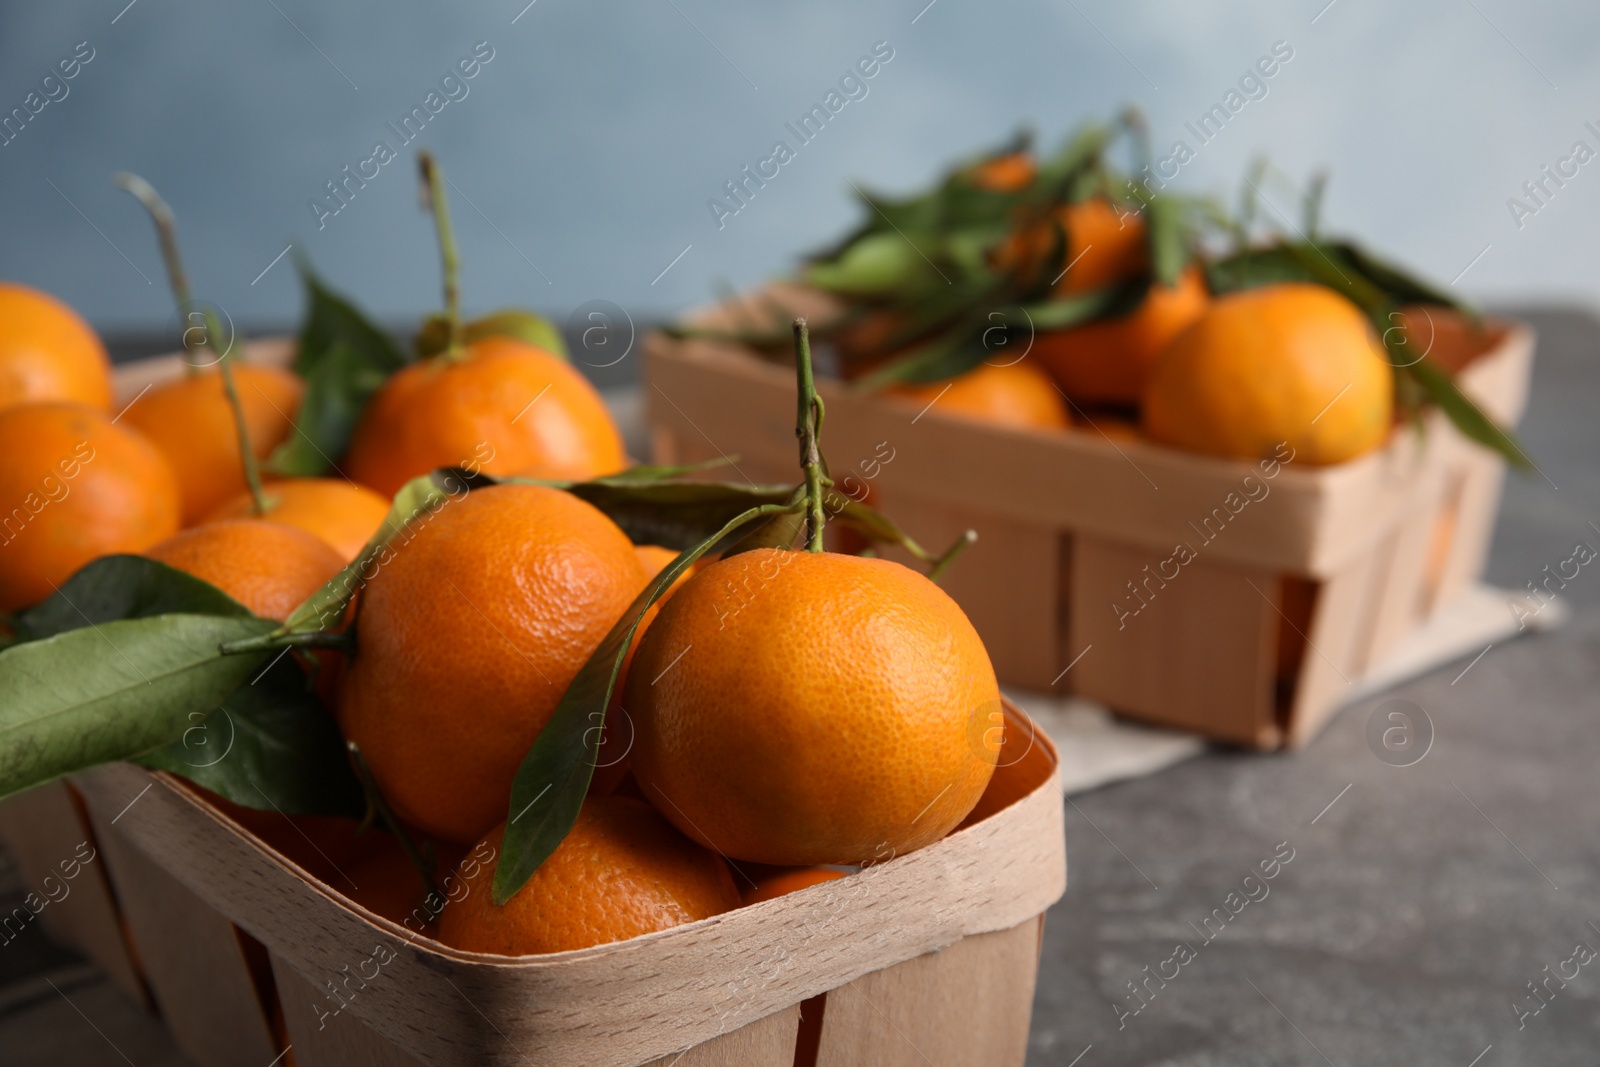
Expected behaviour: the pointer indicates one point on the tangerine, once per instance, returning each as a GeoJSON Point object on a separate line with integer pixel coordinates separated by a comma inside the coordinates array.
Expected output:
{"type": "Point", "coordinates": [1010, 173]}
{"type": "Point", "coordinates": [1109, 360]}
{"type": "Point", "coordinates": [622, 871]}
{"type": "Point", "coordinates": [190, 420]}
{"type": "Point", "coordinates": [783, 883]}
{"type": "Point", "coordinates": [268, 567]}
{"type": "Point", "coordinates": [1291, 363]}
{"type": "Point", "coordinates": [340, 512]}
{"type": "Point", "coordinates": [466, 639]}
{"type": "Point", "coordinates": [1013, 394]}
{"type": "Point", "coordinates": [74, 485]}
{"type": "Point", "coordinates": [1105, 245]}
{"type": "Point", "coordinates": [504, 407]}
{"type": "Point", "coordinates": [801, 708]}
{"type": "Point", "coordinates": [47, 352]}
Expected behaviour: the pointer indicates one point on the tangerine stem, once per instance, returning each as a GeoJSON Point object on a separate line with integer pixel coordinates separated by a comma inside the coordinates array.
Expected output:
{"type": "Point", "coordinates": [808, 427]}
{"type": "Point", "coordinates": [167, 234]}
{"type": "Point", "coordinates": [450, 262]}
{"type": "Point", "coordinates": [942, 563]}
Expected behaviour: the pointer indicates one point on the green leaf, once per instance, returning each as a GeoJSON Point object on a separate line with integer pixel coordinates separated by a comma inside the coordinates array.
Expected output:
{"type": "Point", "coordinates": [676, 515]}
{"type": "Point", "coordinates": [332, 318]}
{"type": "Point", "coordinates": [1256, 267]}
{"type": "Point", "coordinates": [343, 358]}
{"type": "Point", "coordinates": [337, 390]}
{"type": "Point", "coordinates": [271, 745]}
{"type": "Point", "coordinates": [111, 691]}
{"type": "Point", "coordinates": [1164, 230]}
{"type": "Point", "coordinates": [779, 531]}
{"type": "Point", "coordinates": [550, 785]}
{"type": "Point", "coordinates": [1463, 413]}
{"type": "Point", "coordinates": [1110, 302]}
{"type": "Point", "coordinates": [122, 587]}
{"type": "Point", "coordinates": [879, 262]}
{"type": "Point", "coordinates": [1400, 286]}
{"type": "Point", "coordinates": [945, 356]}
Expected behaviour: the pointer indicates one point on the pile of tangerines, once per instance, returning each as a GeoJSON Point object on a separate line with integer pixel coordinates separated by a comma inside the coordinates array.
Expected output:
{"type": "Point", "coordinates": [1043, 293]}
{"type": "Point", "coordinates": [581, 737]}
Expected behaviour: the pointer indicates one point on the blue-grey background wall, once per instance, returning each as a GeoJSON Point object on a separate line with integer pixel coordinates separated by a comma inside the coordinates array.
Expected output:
{"type": "Point", "coordinates": [585, 151]}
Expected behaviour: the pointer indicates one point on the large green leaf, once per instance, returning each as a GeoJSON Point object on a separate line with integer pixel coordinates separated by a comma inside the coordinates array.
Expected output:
{"type": "Point", "coordinates": [107, 692]}
{"type": "Point", "coordinates": [879, 262]}
{"type": "Point", "coordinates": [343, 358]}
{"type": "Point", "coordinates": [1401, 286]}
{"type": "Point", "coordinates": [1465, 415]}
{"type": "Point", "coordinates": [270, 745]}
{"type": "Point", "coordinates": [676, 515]}
{"type": "Point", "coordinates": [122, 587]}
{"type": "Point", "coordinates": [1168, 241]}
{"type": "Point", "coordinates": [338, 387]}
{"type": "Point", "coordinates": [550, 785]}
{"type": "Point", "coordinates": [332, 319]}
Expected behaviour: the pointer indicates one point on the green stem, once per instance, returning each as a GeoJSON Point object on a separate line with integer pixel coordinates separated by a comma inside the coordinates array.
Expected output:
{"type": "Point", "coordinates": [340, 641]}
{"type": "Point", "coordinates": [386, 814]}
{"type": "Point", "coordinates": [167, 234]}
{"type": "Point", "coordinates": [808, 427]}
{"type": "Point", "coordinates": [450, 262]}
{"type": "Point", "coordinates": [941, 564]}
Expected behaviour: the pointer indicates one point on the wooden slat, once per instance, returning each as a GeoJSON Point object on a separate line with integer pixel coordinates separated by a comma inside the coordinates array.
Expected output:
{"type": "Point", "coordinates": [966, 1005]}
{"type": "Point", "coordinates": [766, 1042]}
{"type": "Point", "coordinates": [1481, 478]}
{"type": "Point", "coordinates": [1404, 578]}
{"type": "Point", "coordinates": [44, 827]}
{"type": "Point", "coordinates": [1336, 645]}
{"type": "Point", "coordinates": [1198, 656]}
{"type": "Point", "coordinates": [318, 1036]}
{"type": "Point", "coordinates": [191, 956]}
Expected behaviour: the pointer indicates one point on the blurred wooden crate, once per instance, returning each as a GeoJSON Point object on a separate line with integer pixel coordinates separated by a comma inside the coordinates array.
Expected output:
{"type": "Point", "coordinates": [1301, 580]}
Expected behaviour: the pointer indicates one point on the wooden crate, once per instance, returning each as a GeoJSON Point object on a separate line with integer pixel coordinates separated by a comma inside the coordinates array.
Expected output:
{"type": "Point", "coordinates": [930, 954]}
{"type": "Point", "coordinates": [235, 946]}
{"type": "Point", "coordinates": [1289, 601]}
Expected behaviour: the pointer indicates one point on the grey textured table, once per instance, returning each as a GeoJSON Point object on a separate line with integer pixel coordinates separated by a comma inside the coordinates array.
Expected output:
{"type": "Point", "coordinates": [1405, 928]}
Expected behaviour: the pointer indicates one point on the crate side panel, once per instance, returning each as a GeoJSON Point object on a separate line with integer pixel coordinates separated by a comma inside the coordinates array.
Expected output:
{"type": "Point", "coordinates": [1197, 655]}
{"type": "Point", "coordinates": [1482, 480]}
{"type": "Point", "coordinates": [969, 1003]}
{"type": "Point", "coordinates": [1404, 562]}
{"type": "Point", "coordinates": [192, 959]}
{"type": "Point", "coordinates": [323, 1035]}
{"type": "Point", "coordinates": [44, 828]}
{"type": "Point", "coordinates": [1336, 646]}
